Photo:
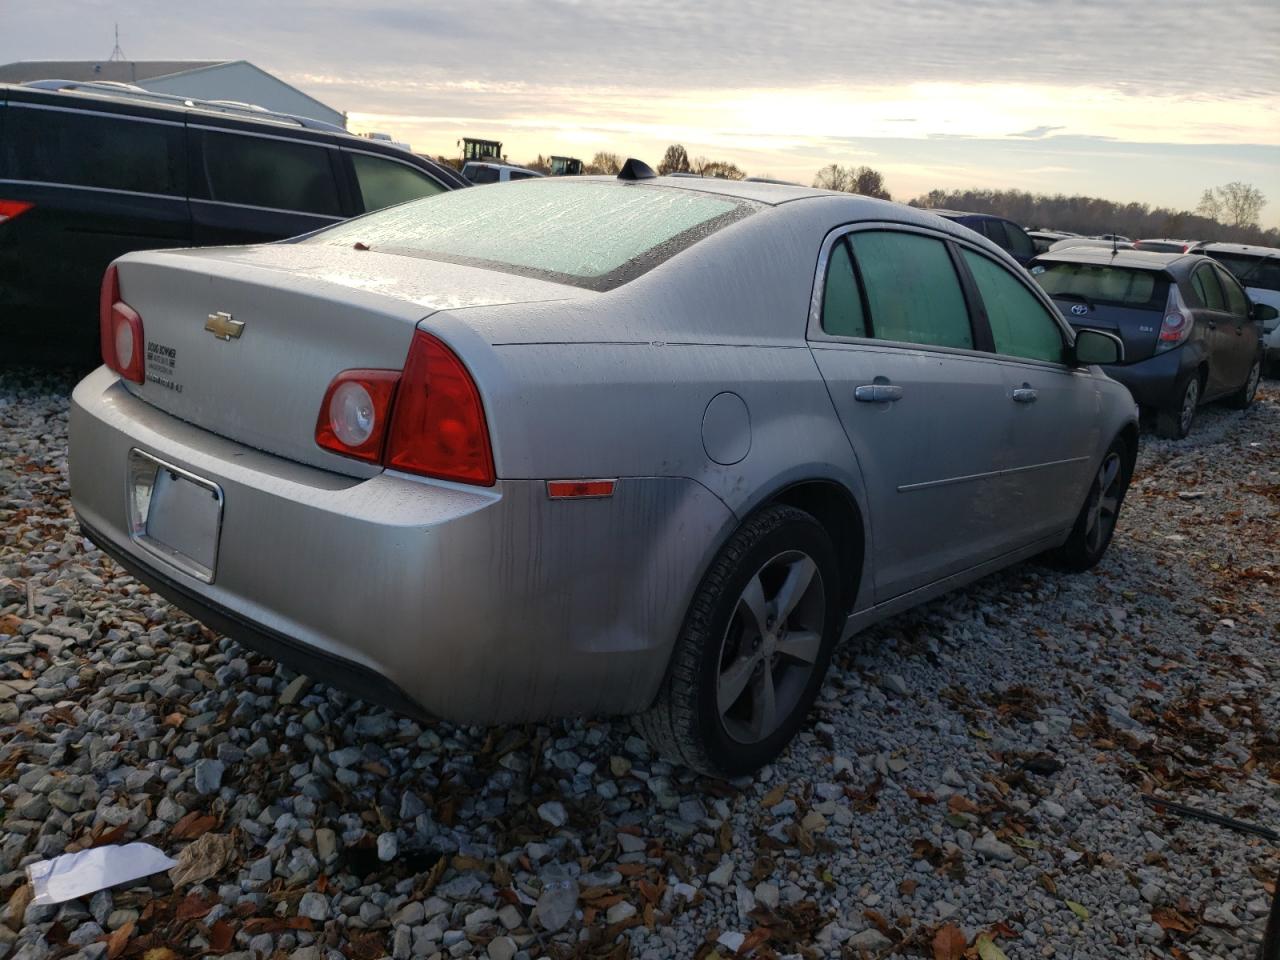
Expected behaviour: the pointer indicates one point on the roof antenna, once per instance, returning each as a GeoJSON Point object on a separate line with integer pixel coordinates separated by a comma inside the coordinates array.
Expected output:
{"type": "Point", "coordinates": [117, 55]}
{"type": "Point", "coordinates": [635, 169]}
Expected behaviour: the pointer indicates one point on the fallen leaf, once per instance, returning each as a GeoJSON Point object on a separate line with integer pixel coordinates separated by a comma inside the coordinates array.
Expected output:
{"type": "Point", "coordinates": [193, 908]}
{"type": "Point", "coordinates": [1171, 919]}
{"type": "Point", "coordinates": [1079, 909]}
{"type": "Point", "coordinates": [203, 859]}
{"type": "Point", "coordinates": [118, 940]}
{"type": "Point", "coordinates": [220, 936]}
{"type": "Point", "coordinates": [907, 887]}
{"type": "Point", "coordinates": [193, 825]}
{"type": "Point", "coordinates": [987, 949]}
{"type": "Point", "coordinates": [774, 796]}
{"type": "Point", "coordinates": [162, 953]}
{"type": "Point", "coordinates": [949, 943]}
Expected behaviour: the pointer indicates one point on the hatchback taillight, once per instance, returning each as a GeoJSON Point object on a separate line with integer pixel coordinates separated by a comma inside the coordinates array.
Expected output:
{"type": "Point", "coordinates": [428, 420]}
{"type": "Point", "coordinates": [13, 208]}
{"type": "Point", "coordinates": [119, 330]}
{"type": "Point", "coordinates": [1177, 324]}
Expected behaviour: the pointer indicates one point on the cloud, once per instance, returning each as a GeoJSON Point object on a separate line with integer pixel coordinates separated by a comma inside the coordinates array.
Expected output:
{"type": "Point", "coordinates": [1037, 133]}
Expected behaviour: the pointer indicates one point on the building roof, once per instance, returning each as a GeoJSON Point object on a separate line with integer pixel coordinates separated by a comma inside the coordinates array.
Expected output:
{"type": "Point", "coordinates": [119, 71]}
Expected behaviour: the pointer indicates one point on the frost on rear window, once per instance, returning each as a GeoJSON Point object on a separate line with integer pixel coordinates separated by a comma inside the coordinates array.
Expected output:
{"type": "Point", "coordinates": [588, 233]}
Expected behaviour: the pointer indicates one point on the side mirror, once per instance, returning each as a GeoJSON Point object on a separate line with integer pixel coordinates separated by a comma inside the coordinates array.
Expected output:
{"type": "Point", "coordinates": [1264, 313]}
{"type": "Point", "coordinates": [1094, 346]}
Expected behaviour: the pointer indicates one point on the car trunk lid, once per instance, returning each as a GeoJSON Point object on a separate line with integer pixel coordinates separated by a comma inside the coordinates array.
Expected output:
{"type": "Point", "coordinates": [244, 342]}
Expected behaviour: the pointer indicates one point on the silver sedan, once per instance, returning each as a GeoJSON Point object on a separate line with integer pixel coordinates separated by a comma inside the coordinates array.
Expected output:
{"type": "Point", "coordinates": [589, 445]}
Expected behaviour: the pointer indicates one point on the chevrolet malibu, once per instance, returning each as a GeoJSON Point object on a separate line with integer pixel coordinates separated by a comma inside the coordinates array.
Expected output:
{"type": "Point", "coordinates": [642, 445]}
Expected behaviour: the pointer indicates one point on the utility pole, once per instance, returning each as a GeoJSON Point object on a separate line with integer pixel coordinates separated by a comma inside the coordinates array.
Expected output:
{"type": "Point", "coordinates": [117, 55]}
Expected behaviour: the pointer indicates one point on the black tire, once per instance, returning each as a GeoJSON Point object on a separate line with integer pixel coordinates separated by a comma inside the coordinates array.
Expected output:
{"type": "Point", "coordinates": [1174, 423]}
{"type": "Point", "coordinates": [685, 723]}
{"type": "Point", "coordinates": [1085, 547]}
{"type": "Point", "coordinates": [1242, 399]}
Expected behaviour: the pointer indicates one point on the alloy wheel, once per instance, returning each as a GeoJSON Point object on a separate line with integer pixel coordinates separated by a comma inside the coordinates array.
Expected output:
{"type": "Point", "coordinates": [1251, 385]}
{"type": "Point", "coordinates": [771, 646]}
{"type": "Point", "coordinates": [1190, 400]}
{"type": "Point", "coordinates": [1104, 502]}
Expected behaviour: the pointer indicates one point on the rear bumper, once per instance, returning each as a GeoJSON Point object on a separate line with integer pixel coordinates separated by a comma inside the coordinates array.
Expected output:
{"type": "Point", "coordinates": [1154, 382]}
{"type": "Point", "coordinates": [481, 606]}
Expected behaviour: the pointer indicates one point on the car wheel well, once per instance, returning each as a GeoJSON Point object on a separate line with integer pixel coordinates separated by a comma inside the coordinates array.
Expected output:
{"type": "Point", "coordinates": [1129, 434]}
{"type": "Point", "coordinates": [833, 507]}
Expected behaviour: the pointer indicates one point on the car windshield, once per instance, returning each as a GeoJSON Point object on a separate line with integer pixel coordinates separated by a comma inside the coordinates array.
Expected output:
{"type": "Point", "coordinates": [1100, 283]}
{"type": "Point", "coordinates": [591, 234]}
{"type": "Point", "coordinates": [1262, 273]}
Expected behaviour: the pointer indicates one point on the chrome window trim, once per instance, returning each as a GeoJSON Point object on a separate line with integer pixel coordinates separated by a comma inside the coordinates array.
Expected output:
{"type": "Point", "coordinates": [250, 206]}
{"type": "Point", "coordinates": [816, 335]}
{"type": "Point", "coordinates": [24, 105]}
{"type": "Point", "coordinates": [81, 186]}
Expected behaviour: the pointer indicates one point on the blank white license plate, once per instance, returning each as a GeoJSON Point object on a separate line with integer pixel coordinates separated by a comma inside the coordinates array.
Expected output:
{"type": "Point", "coordinates": [175, 514]}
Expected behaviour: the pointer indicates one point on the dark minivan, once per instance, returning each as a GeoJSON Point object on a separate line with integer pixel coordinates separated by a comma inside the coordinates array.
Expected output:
{"type": "Point", "coordinates": [89, 171]}
{"type": "Point", "coordinates": [1190, 334]}
{"type": "Point", "coordinates": [1003, 233]}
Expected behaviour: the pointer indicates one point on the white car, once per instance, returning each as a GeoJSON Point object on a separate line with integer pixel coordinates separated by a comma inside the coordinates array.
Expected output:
{"type": "Point", "coordinates": [479, 172]}
{"type": "Point", "coordinates": [1258, 270]}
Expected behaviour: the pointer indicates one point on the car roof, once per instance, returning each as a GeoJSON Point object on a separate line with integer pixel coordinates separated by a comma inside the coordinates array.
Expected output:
{"type": "Point", "coordinates": [1249, 248]}
{"type": "Point", "coordinates": [757, 191]}
{"type": "Point", "coordinates": [953, 214]}
{"type": "Point", "coordinates": [1128, 259]}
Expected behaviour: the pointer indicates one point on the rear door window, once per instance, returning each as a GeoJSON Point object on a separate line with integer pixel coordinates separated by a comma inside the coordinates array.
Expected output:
{"type": "Point", "coordinates": [1205, 283]}
{"type": "Point", "coordinates": [1237, 302]}
{"type": "Point", "coordinates": [913, 293]}
{"type": "Point", "coordinates": [386, 182]}
{"type": "Point", "coordinates": [1262, 273]}
{"type": "Point", "coordinates": [1019, 243]}
{"type": "Point", "coordinates": [266, 172]}
{"type": "Point", "coordinates": [842, 313]}
{"type": "Point", "coordinates": [104, 150]}
{"type": "Point", "coordinates": [1020, 324]}
{"type": "Point", "coordinates": [994, 231]}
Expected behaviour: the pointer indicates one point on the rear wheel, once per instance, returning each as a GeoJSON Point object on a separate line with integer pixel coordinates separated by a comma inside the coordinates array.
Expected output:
{"type": "Point", "coordinates": [1096, 522]}
{"type": "Point", "coordinates": [753, 649]}
{"type": "Point", "coordinates": [1242, 399]}
{"type": "Point", "coordinates": [1175, 422]}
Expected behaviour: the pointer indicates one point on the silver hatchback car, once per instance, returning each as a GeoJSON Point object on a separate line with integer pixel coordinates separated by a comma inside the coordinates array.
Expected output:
{"type": "Point", "coordinates": [609, 446]}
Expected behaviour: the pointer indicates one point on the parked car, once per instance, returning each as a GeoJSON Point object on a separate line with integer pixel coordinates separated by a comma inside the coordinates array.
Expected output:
{"type": "Point", "coordinates": [1258, 268]}
{"type": "Point", "coordinates": [477, 172]}
{"type": "Point", "coordinates": [1042, 240]}
{"type": "Point", "coordinates": [1094, 242]}
{"type": "Point", "coordinates": [592, 445]}
{"type": "Point", "coordinates": [1003, 233]}
{"type": "Point", "coordinates": [1164, 246]}
{"type": "Point", "coordinates": [89, 171]}
{"type": "Point", "coordinates": [1190, 334]}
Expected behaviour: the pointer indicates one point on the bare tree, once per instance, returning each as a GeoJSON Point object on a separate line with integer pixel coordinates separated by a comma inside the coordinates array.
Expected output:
{"type": "Point", "coordinates": [861, 180]}
{"type": "Point", "coordinates": [541, 165]}
{"type": "Point", "coordinates": [1236, 204]}
{"type": "Point", "coordinates": [603, 162]}
{"type": "Point", "coordinates": [675, 160]}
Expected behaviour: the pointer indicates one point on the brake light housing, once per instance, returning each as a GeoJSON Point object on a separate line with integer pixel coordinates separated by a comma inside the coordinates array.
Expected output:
{"type": "Point", "coordinates": [1177, 323]}
{"type": "Point", "coordinates": [427, 419]}
{"type": "Point", "coordinates": [120, 330]}
{"type": "Point", "coordinates": [356, 412]}
{"type": "Point", "coordinates": [439, 428]}
{"type": "Point", "coordinates": [13, 208]}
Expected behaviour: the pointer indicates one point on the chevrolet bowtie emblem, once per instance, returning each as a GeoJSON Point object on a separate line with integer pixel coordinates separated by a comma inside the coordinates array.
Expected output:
{"type": "Point", "coordinates": [223, 327]}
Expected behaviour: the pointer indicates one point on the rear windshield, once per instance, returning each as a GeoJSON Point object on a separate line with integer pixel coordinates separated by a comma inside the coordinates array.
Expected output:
{"type": "Point", "coordinates": [590, 234]}
{"type": "Point", "coordinates": [1260, 272]}
{"type": "Point", "coordinates": [1100, 283]}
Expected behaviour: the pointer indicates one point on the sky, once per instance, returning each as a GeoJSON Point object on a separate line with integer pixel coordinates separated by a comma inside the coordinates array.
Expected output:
{"type": "Point", "coordinates": [1132, 101]}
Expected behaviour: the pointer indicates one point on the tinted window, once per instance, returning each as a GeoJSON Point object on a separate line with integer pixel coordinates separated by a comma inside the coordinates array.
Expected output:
{"type": "Point", "coordinates": [1104, 284]}
{"type": "Point", "coordinates": [1019, 242]}
{"type": "Point", "coordinates": [841, 303]}
{"type": "Point", "coordinates": [481, 174]}
{"type": "Point", "coordinates": [1237, 302]}
{"type": "Point", "coordinates": [912, 289]}
{"type": "Point", "coordinates": [94, 150]}
{"type": "Point", "coordinates": [994, 231]}
{"type": "Point", "coordinates": [269, 173]}
{"type": "Point", "coordinates": [1020, 324]}
{"type": "Point", "coordinates": [386, 182]}
{"type": "Point", "coordinates": [590, 233]}
{"type": "Point", "coordinates": [520, 175]}
{"type": "Point", "coordinates": [1205, 283]}
{"type": "Point", "coordinates": [1260, 272]}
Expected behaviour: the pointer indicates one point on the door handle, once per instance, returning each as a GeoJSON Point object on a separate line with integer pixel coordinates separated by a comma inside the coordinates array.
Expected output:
{"type": "Point", "coordinates": [1024, 394]}
{"type": "Point", "coordinates": [877, 393]}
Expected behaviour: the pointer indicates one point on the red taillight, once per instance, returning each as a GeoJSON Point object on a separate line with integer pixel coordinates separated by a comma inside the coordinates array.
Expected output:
{"type": "Point", "coordinates": [119, 330]}
{"type": "Point", "coordinates": [1177, 323]}
{"type": "Point", "coordinates": [355, 413]}
{"type": "Point", "coordinates": [13, 208]}
{"type": "Point", "coordinates": [580, 489]}
{"type": "Point", "coordinates": [428, 419]}
{"type": "Point", "coordinates": [438, 427]}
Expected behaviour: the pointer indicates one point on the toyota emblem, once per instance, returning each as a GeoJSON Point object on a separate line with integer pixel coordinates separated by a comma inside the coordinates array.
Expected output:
{"type": "Point", "coordinates": [1079, 309]}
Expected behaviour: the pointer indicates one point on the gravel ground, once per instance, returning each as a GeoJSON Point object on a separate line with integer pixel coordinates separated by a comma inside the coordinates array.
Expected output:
{"type": "Point", "coordinates": [974, 776]}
